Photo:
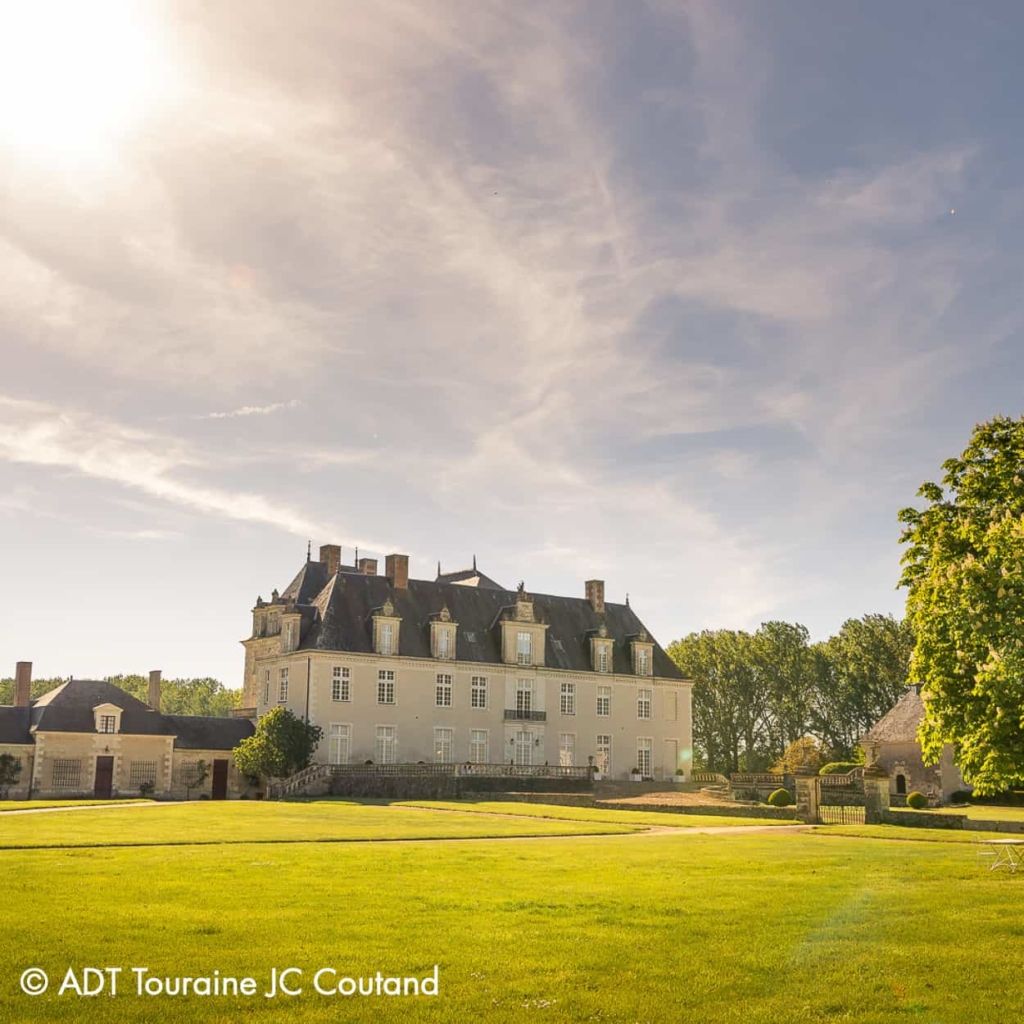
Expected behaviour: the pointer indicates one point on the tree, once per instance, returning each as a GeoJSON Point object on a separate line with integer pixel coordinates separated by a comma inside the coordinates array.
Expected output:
{"type": "Point", "coordinates": [859, 675]}
{"type": "Point", "coordinates": [195, 777]}
{"type": "Point", "coordinates": [806, 752]}
{"type": "Point", "coordinates": [10, 772]}
{"type": "Point", "coordinates": [202, 696]}
{"type": "Point", "coordinates": [282, 744]}
{"type": "Point", "coordinates": [964, 574]}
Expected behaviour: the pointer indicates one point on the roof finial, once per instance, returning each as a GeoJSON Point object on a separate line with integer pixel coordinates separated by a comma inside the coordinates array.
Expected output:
{"type": "Point", "coordinates": [439, 567]}
{"type": "Point", "coordinates": [474, 563]}
{"type": "Point", "coordinates": [309, 550]}
{"type": "Point", "coordinates": [627, 600]}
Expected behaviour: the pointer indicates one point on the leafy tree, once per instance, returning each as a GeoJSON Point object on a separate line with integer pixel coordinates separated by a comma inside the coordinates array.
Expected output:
{"type": "Point", "coordinates": [964, 572]}
{"type": "Point", "coordinates": [282, 744]}
{"type": "Point", "coordinates": [36, 689]}
{"type": "Point", "coordinates": [859, 675]}
{"type": "Point", "coordinates": [806, 752]}
{"type": "Point", "coordinates": [10, 772]}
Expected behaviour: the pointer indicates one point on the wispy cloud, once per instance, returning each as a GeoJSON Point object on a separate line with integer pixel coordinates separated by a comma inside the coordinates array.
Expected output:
{"type": "Point", "coordinates": [251, 410]}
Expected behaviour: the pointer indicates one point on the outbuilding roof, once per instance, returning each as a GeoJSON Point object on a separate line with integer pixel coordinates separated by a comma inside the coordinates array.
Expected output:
{"type": "Point", "coordinates": [900, 723]}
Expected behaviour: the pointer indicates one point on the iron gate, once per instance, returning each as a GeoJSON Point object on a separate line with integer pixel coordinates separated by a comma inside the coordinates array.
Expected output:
{"type": "Point", "coordinates": [840, 804]}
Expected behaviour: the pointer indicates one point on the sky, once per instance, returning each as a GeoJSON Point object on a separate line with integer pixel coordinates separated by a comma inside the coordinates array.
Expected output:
{"type": "Point", "coordinates": [668, 294]}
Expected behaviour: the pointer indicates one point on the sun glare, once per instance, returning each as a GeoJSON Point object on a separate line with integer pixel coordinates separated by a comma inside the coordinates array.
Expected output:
{"type": "Point", "coordinates": [76, 74]}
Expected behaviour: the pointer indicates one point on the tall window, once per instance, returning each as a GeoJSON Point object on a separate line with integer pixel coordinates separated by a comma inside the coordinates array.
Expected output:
{"type": "Point", "coordinates": [604, 701]}
{"type": "Point", "coordinates": [444, 690]}
{"type": "Point", "coordinates": [567, 749]}
{"type": "Point", "coordinates": [602, 657]}
{"type": "Point", "coordinates": [671, 705]}
{"type": "Point", "coordinates": [108, 723]}
{"type": "Point", "coordinates": [341, 743]}
{"type": "Point", "coordinates": [385, 686]}
{"type": "Point", "coordinates": [643, 703]}
{"type": "Point", "coordinates": [341, 687]}
{"type": "Point", "coordinates": [642, 662]}
{"type": "Point", "coordinates": [140, 772]}
{"type": "Point", "coordinates": [567, 699]}
{"type": "Point", "coordinates": [443, 744]}
{"type": "Point", "coordinates": [443, 643]}
{"type": "Point", "coordinates": [643, 755]}
{"type": "Point", "coordinates": [478, 746]}
{"type": "Point", "coordinates": [387, 745]}
{"type": "Point", "coordinates": [524, 695]}
{"type": "Point", "coordinates": [524, 648]}
{"type": "Point", "coordinates": [523, 747]}
{"type": "Point", "coordinates": [266, 687]}
{"type": "Point", "coordinates": [603, 760]}
{"type": "Point", "coordinates": [386, 638]}
{"type": "Point", "coordinates": [478, 692]}
{"type": "Point", "coordinates": [282, 687]}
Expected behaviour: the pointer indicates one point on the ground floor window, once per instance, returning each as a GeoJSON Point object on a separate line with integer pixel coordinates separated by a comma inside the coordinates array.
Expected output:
{"type": "Point", "coordinates": [140, 772]}
{"type": "Point", "coordinates": [603, 760]}
{"type": "Point", "coordinates": [567, 749]}
{"type": "Point", "coordinates": [523, 747]}
{"type": "Point", "coordinates": [340, 747]}
{"type": "Point", "coordinates": [443, 744]}
{"type": "Point", "coordinates": [643, 755]}
{"type": "Point", "coordinates": [387, 745]}
{"type": "Point", "coordinates": [478, 746]}
{"type": "Point", "coordinates": [66, 774]}
{"type": "Point", "coordinates": [901, 784]}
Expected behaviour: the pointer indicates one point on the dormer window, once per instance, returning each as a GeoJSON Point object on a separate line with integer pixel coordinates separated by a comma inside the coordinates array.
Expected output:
{"type": "Point", "coordinates": [643, 654]}
{"type": "Point", "coordinates": [524, 648]}
{"type": "Point", "coordinates": [602, 657]}
{"type": "Point", "coordinates": [642, 662]}
{"type": "Point", "coordinates": [107, 718]}
{"type": "Point", "coordinates": [385, 629]}
{"type": "Point", "coordinates": [442, 635]}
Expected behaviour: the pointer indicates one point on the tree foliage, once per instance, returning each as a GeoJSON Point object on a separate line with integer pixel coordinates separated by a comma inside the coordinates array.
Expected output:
{"type": "Point", "coordinates": [803, 753]}
{"type": "Point", "coordinates": [756, 693]}
{"type": "Point", "coordinates": [282, 744]}
{"type": "Point", "coordinates": [10, 772]}
{"type": "Point", "coordinates": [964, 572]}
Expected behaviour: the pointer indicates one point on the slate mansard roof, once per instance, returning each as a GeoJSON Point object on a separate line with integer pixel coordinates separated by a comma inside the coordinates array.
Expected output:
{"type": "Point", "coordinates": [339, 618]}
{"type": "Point", "coordinates": [69, 708]}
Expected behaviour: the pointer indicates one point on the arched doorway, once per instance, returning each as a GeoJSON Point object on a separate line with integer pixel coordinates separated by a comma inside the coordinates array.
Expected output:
{"type": "Point", "coordinates": [901, 785]}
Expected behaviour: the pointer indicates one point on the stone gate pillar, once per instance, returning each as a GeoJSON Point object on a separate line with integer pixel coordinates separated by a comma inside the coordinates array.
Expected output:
{"type": "Point", "coordinates": [876, 794]}
{"type": "Point", "coordinates": [806, 783]}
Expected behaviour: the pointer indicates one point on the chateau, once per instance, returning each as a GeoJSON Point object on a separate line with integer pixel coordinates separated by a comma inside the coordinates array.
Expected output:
{"type": "Point", "coordinates": [460, 669]}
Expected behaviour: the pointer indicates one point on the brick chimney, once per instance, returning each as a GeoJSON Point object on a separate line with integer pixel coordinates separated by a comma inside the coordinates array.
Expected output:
{"type": "Point", "coordinates": [22, 684]}
{"type": "Point", "coordinates": [154, 689]}
{"type": "Point", "coordinates": [330, 555]}
{"type": "Point", "coordinates": [595, 595]}
{"type": "Point", "coordinates": [367, 566]}
{"type": "Point", "coordinates": [396, 568]}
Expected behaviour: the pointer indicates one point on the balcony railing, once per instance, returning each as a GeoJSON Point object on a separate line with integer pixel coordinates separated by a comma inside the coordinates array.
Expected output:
{"type": "Point", "coordinates": [519, 715]}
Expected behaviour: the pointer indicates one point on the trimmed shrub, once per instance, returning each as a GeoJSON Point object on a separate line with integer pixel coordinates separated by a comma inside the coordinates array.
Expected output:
{"type": "Point", "coordinates": [916, 800]}
{"type": "Point", "coordinates": [780, 798]}
{"type": "Point", "coordinates": [838, 768]}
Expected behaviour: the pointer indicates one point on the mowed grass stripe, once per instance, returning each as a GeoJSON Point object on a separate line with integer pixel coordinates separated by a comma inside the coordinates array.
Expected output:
{"type": "Point", "coordinates": [599, 814]}
{"type": "Point", "coordinates": [37, 805]}
{"type": "Point", "coordinates": [207, 823]}
{"type": "Point", "coordinates": [722, 929]}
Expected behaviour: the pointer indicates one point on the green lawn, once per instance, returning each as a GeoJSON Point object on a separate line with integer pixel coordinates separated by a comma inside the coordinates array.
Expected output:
{"type": "Point", "coordinates": [592, 813]}
{"type": "Point", "coordinates": [779, 926]}
{"type": "Point", "coordinates": [979, 812]}
{"type": "Point", "coordinates": [35, 805]}
{"type": "Point", "coordinates": [206, 822]}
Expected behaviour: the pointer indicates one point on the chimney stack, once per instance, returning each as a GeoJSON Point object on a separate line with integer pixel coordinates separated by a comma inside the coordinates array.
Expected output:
{"type": "Point", "coordinates": [22, 684]}
{"type": "Point", "coordinates": [595, 595]}
{"type": "Point", "coordinates": [368, 566]}
{"type": "Point", "coordinates": [330, 555]}
{"type": "Point", "coordinates": [396, 567]}
{"type": "Point", "coordinates": [154, 689]}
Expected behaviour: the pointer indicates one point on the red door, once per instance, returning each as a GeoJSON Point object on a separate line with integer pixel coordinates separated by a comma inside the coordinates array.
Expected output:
{"type": "Point", "coordinates": [104, 778]}
{"type": "Point", "coordinates": [220, 780]}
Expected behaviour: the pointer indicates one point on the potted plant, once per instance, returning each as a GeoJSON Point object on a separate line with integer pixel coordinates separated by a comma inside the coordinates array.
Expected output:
{"type": "Point", "coordinates": [634, 775]}
{"type": "Point", "coordinates": [680, 775]}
